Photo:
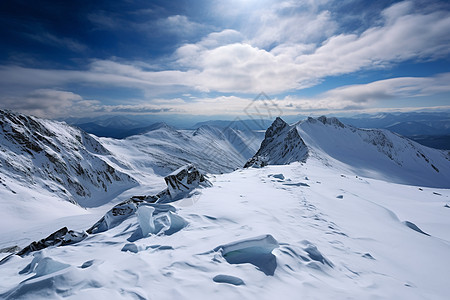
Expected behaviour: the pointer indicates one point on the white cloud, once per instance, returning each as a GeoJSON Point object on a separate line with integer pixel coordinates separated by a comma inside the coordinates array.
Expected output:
{"type": "Point", "coordinates": [53, 40]}
{"type": "Point", "coordinates": [48, 103]}
{"type": "Point", "coordinates": [232, 61]}
{"type": "Point", "coordinates": [179, 25]}
{"type": "Point", "coordinates": [365, 96]}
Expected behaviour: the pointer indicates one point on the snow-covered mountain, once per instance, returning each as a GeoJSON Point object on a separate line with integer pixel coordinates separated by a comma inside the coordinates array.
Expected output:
{"type": "Point", "coordinates": [374, 153]}
{"type": "Point", "coordinates": [328, 216]}
{"type": "Point", "coordinates": [44, 162]}
{"type": "Point", "coordinates": [164, 149]}
{"type": "Point", "coordinates": [56, 159]}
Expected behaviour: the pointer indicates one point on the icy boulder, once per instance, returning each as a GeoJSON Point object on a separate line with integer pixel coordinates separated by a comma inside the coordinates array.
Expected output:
{"type": "Point", "coordinates": [115, 216]}
{"type": "Point", "coordinates": [154, 220]}
{"type": "Point", "coordinates": [256, 251]}
{"type": "Point", "coordinates": [145, 218]}
{"type": "Point", "coordinates": [281, 145]}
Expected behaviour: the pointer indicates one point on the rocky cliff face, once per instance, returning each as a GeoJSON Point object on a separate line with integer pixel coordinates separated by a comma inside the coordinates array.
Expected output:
{"type": "Point", "coordinates": [61, 159]}
{"type": "Point", "coordinates": [281, 145]}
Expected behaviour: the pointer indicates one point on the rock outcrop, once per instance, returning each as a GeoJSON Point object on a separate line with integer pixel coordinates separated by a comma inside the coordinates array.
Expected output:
{"type": "Point", "coordinates": [282, 145]}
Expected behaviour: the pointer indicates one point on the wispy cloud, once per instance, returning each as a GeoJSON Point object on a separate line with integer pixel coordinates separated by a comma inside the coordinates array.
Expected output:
{"type": "Point", "coordinates": [53, 40]}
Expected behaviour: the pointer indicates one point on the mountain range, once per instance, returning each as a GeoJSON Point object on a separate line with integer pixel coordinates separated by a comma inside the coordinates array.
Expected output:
{"type": "Point", "coordinates": [313, 209]}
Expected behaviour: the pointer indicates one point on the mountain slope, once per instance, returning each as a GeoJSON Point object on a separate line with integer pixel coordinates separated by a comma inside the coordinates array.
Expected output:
{"type": "Point", "coordinates": [56, 159]}
{"type": "Point", "coordinates": [303, 229]}
{"type": "Point", "coordinates": [372, 153]}
{"type": "Point", "coordinates": [164, 149]}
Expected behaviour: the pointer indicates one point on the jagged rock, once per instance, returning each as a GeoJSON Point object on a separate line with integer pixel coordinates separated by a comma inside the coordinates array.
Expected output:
{"type": "Point", "coordinates": [12, 249]}
{"type": "Point", "coordinates": [183, 180]}
{"type": "Point", "coordinates": [179, 184]}
{"type": "Point", "coordinates": [282, 145]}
{"type": "Point", "coordinates": [60, 237]}
{"type": "Point", "coordinates": [329, 121]}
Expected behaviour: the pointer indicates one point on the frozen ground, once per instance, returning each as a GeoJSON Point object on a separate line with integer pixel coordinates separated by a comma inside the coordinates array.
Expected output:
{"type": "Point", "coordinates": [301, 231]}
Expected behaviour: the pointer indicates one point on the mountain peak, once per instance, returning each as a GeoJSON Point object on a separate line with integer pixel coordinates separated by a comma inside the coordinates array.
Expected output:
{"type": "Point", "coordinates": [282, 144]}
{"type": "Point", "coordinates": [277, 126]}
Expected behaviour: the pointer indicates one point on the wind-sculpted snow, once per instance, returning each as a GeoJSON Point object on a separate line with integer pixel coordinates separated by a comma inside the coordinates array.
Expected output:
{"type": "Point", "coordinates": [256, 233]}
{"type": "Point", "coordinates": [315, 229]}
{"type": "Point", "coordinates": [256, 251]}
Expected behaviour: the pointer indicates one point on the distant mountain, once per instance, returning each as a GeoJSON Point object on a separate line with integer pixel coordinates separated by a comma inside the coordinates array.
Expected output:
{"type": "Point", "coordinates": [373, 153]}
{"type": "Point", "coordinates": [164, 148]}
{"type": "Point", "coordinates": [429, 129]}
{"type": "Point", "coordinates": [248, 124]}
{"type": "Point", "coordinates": [438, 121]}
{"type": "Point", "coordinates": [120, 132]}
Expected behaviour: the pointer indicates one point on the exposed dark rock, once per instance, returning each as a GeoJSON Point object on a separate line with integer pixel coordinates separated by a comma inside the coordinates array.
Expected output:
{"type": "Point", "coordinates": [282, 145]}
{"type": "Point", "coordinates": [59, 238]}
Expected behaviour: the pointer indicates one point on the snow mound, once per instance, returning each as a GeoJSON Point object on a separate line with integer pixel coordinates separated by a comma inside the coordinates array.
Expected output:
{"type": "Point", "coordinates": [256, 251]}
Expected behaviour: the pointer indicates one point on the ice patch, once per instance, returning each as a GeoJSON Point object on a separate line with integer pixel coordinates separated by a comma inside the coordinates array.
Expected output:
{"type": "Point", "coordinates": [228, 279]}
{"type": "Point", "coordinates": [256, 251]}
{"type": "Point", "coordinates": [145, 218]}
{"type": "Point", "coordinates": [278, 176]}
{"type": "Point", "coordinates": [87, 264]}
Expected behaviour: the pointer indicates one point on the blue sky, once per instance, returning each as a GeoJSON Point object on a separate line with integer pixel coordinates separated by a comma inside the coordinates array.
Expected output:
{"type": "Point", "coordinates": [208, 58]}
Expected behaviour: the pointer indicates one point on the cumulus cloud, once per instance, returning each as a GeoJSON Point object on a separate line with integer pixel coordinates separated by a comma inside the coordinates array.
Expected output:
{"type": "Point", "coordinates": [293, 48]}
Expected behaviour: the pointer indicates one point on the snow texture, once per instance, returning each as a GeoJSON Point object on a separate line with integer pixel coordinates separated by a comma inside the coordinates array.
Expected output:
{"type": "Point", "coordinates": [364, 216]}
